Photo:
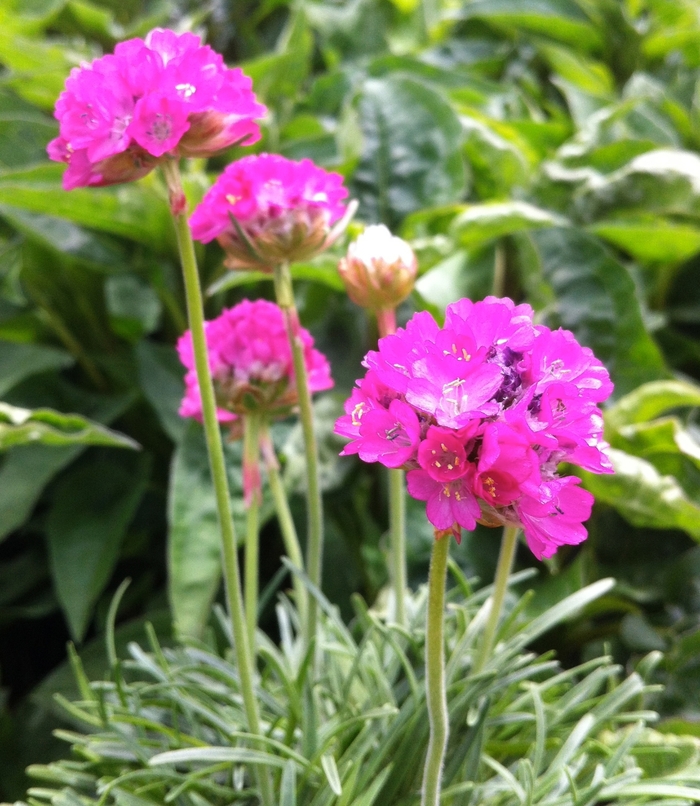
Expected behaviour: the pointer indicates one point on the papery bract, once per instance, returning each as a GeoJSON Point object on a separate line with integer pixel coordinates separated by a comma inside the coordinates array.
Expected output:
{"type": "Point", "coordinates": [163, 96]}
{"type": "Point", "coordinates": [251, 363]}
{"type": "Point", "coordinates": [499, 403]}
{"type": "Point", "coordinates": [267, 209]}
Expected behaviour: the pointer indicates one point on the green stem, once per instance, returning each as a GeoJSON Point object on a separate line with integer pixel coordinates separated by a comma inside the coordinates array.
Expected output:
{"type": "Point", "coordinates": [314, 548]}
{"type": "Point", "coordinates": [251, 487]}
{"type": "Point", "coordinates": [435, 673]}
{"type": "Point", "coordinates": [500, 586]}
{"type": "Point", "coordinates": [232, 576]}
{"type": "Point", "coordinates": [286, 523]}
{"type": "Point", "coordinates": [386, 322]}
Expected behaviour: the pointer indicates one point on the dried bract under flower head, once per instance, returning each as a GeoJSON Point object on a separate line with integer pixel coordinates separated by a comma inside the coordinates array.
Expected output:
{"type": "Point", "coordinates": [265, 210]}
{"type": "Point", "coordinates": [379, 269]}
{"type": "Point", "coordinates": [481, 412]}
{"type": "Point", "coordinates": [165, 95]}
{"type": "Point", "coordinates": [251, 364]}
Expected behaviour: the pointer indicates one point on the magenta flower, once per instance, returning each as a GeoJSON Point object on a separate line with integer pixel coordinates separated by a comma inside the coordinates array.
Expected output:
{"type": "Point", "coordinates": [497, 404]}
{"type": "Point", "coordinates": [251, 363]}
{"type": "Point", "coordinates": [163, 95]}
{"type": "Point", "coordinates": [266, 209]}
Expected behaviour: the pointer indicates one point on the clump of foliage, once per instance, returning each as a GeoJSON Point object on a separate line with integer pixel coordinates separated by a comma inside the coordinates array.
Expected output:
{"type": "Point", "coordinates": [168, 725]}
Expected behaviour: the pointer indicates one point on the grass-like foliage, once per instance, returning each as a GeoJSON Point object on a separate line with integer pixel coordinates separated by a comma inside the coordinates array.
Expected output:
{"type": "Point", "coordinates": [168, 726]}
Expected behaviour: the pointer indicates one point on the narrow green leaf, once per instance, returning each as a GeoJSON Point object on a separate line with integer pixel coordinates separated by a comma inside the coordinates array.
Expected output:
{"type": "Point", "coordinates": [235, 755]}
{"type": "Point", "coordinates": [331, 772]}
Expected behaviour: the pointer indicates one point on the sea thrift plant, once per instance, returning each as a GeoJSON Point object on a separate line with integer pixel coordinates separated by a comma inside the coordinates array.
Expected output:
{"type": "Point", "coordinates": [165, 95]}
{"type": "Point", "coordinates": [481, 412]}
{"type": "Point", "coordinates": [379, 269]}
{"type": "Point", "coordinates": [251, 364]}
{"type": "Point", "coordinates": [265, 210]}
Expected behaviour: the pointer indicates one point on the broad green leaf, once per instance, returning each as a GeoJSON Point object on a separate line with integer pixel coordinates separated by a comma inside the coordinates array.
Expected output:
{"type": "Point", "coordinates": [47, 427]}
{"type": "Point", "coordinates": [662, 442]}
{"type": "Point", "coordinates": [95, 250]}
{"type": "Point", "coordinates": [323, 269]}
{"type": "Point", "coordinates": [20, 361]}
{"type": "Point", "coordinates": [651, 239]}
{"type": "Point", "coordinates": [92, 507]}
{"type": "Point", "coordinates": [644, 496]}
{"type": "Point", "coordinates": [411, 150]}
{"type": "Point", "coordinates": [135, 211]}
{"type": "Point", "coordinates": [498, 159]}
{"type": "Point", "coordinates": [133, 306]}
{"type": "Point", "coordinates": [281, 75]}
{"type": "Point", "coordinates": [332, 470]}
{"type": "Point", "coordinates": [665, 181]}
{"type": "Point", "coordinates": [37, 69]}
{"type": "Point", "coordinates": [463, 274]}
{"type": "Point", "coordinates": [591, 77]}
{"type": "Point", "coordinates": [562, 20]}
{"type": "Point", "coordinates": [194, 537]}
{"type": "Point", "coordinates": [23, 139]}
{"type": "Point", "coordinates": [27, 469]}
{"type": "Point", "coordinates": [480, 223]}
{"type": "Point", "coordinates": [596, 298]}
{"type": "Point", "coordinates": [650, 400]}
{"type": "Point", "coordinates": [161, 376]}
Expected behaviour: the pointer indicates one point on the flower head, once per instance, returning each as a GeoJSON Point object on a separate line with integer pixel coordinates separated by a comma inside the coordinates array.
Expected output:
{"type": "Point", "coordinates": [379, 269]}
{"type": "Point", "coordinates": [266, 209]}
{"type": "Point", "coordinates": [163, 95]}
{"type": "Point", "coordinates": [251, 363]}
{"type": "Point", "coordinates": [481, 413]}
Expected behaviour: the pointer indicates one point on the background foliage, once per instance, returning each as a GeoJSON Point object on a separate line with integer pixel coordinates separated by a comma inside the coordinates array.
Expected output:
{"type": "Point", "coordinates": [545, 150]}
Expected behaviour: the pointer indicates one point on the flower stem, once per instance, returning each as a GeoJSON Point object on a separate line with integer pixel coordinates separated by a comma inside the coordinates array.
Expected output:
{"type": "Point", "coordinates": [251, 486]}
{"type": "Point", "coordinates": [232, 576]}
{"type": "Point", "coordinates": [500, 585]}
{"type": "Point", "coordinates": [286, 522]}
{"type": "Point", "coordinates": [386, 321]}
{"type": "Point", "coordinates": [314, 548]}
{"type": "Point", "coordinates": [435, 674]}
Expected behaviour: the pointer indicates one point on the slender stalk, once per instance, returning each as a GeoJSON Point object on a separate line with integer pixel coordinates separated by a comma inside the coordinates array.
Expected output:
{"type": "Point", "coordinates": [232, 576]}
{"type": "Point", "coordinates": [314, 548]}
{"type": "Point", "coordinates": [500, 585]}
{"type": "Point", "coordinates": [435, 674]}
{"type": "Point", "coordinates": [251, 487]}
{"type": "Point", "coordinates": [286, 523]}
{"type": "Point", "coordinates": [386, 321]}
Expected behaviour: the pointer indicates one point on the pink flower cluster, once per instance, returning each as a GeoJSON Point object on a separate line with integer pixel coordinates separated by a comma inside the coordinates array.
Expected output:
{"type": "Point", "coordinates": [167, 94]}
{"type": "Point", "coordinates": [481, 412]}
{"type": "Point", "coordinates": [251, 363]}
{"type": "Point", "coordinates": [265, 209]}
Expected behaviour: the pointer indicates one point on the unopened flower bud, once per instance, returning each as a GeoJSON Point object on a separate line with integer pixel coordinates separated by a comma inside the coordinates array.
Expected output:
{"type": "Point", "coordinates": [379, 269]}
